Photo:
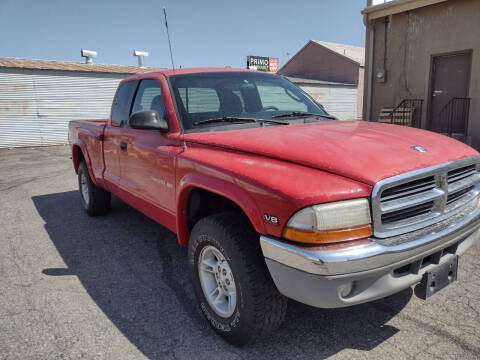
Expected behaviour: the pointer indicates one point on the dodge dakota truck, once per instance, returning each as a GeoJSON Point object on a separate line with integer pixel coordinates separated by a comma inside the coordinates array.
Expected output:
{"type": "Point", "coordinates": [277, 199]}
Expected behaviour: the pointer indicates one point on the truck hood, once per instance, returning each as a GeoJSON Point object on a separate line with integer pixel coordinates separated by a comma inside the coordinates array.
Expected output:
{"type": "Point", "coordinates": [363, 151]}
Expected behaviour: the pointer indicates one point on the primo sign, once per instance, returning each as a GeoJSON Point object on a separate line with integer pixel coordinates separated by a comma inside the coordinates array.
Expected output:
{"type": "Point", "coordinates": [261, 63]}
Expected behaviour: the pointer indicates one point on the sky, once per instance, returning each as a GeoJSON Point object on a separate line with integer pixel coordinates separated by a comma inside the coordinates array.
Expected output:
{"type": "Point", "coordinates": [203, 32]}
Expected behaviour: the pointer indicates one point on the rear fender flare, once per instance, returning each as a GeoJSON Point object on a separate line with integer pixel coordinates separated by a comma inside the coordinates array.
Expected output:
{"type": "Point", "coordinates": [78, 148]}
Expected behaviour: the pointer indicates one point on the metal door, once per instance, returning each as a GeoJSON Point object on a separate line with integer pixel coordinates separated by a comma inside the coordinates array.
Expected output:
{"type": "Point", "coordinates": [449, 80]}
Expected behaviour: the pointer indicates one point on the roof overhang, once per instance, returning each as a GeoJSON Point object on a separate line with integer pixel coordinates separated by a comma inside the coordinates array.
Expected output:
{"type": "Point", "coordinates": [306, 81]}
{"type": "Point", "coordinates": [315, 43]}
{"type": "Point", "coordinates": [396, 7]}
{"type": "Point", "coordinates": [34, 64]}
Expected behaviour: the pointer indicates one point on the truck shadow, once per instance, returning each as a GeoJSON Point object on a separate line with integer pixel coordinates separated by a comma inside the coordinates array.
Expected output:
{"type": "Point", "coordinates": [134, 270]}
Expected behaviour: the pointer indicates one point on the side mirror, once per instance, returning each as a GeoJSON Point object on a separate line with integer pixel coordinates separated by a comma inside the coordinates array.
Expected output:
{"type": "Point", "coordinates": [149, 120]}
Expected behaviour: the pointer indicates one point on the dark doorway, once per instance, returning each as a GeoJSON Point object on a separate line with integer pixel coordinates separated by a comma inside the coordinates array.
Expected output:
{"type": "Point", "coordinates": [449, 103]}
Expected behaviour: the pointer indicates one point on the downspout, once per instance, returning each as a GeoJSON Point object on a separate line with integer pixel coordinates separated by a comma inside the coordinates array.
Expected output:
{"type": "Point", "coordinates": [371, 43]}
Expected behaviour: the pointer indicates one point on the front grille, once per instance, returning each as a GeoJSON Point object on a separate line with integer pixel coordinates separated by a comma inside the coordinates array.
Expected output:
{"type": "Point", "coordinates": [420, 198]}
{"type": "Point", "coordinates": [407, 213]}
{"type": "Point", "coordinates": [455, 196]}
{"type": "Point", "coordinates": [461, 173]}
{"type": "Point", "coordinates": [410, 188]}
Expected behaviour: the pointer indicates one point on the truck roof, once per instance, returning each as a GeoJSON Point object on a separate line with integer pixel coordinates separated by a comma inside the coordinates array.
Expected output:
{"type": "Point", "coordinates": [170, 72]}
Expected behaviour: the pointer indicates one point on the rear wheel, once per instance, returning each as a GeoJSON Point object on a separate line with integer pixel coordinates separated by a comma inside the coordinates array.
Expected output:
{"type": "Point", "coordinates": [231, 281]}
{"type": "Point", "coordinates": [95, 200]}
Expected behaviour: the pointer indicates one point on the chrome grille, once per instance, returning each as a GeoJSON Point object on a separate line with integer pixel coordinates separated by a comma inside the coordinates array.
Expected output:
{"type": "Point", "coordinates": [417, 199]}
{"type": "Point", "coordinates": [413, 211]}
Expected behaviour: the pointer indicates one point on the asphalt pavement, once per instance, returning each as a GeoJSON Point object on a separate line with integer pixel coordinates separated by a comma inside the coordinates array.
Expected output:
{"type": "Point", "coordinates": [117, 287]}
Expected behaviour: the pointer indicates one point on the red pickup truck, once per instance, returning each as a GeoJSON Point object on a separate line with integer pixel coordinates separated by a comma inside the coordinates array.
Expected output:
{"type": "Point", "coordinates": [277, 199]}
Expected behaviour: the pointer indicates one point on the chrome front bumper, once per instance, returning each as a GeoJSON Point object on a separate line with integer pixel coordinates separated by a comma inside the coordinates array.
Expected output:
{"type": "Point", "coordinates": [330, 278]}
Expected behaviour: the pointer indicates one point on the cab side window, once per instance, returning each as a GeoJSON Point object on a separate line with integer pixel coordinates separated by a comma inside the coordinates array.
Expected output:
{"type": "Point", "coordinates": [123, 101]}
{"type": "Point", "coordinates": [149, 97]}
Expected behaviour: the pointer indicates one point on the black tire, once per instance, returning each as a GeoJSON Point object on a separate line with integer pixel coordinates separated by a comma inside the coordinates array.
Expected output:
{"type": "Point", "coordinates": [98, 200]}
{"type": "Point", "coordinates": [260, 308]}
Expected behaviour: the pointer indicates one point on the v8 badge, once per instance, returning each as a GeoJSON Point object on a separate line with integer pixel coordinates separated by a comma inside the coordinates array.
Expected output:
{"type": "Point", "coordinates": [271, 219]}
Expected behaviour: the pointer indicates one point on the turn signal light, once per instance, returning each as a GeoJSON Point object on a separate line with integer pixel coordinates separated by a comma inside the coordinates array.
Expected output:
{"type": "Point", "coordinates": [328, 236]}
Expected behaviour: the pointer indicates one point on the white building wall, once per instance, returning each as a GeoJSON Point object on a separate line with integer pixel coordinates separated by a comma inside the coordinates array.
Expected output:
{"type": "Point", "coordinates": [36, 105]}
{"type": "Point", "coordinates": [340, 101]}
{"type": "Point", "coordinates": [378, 2]}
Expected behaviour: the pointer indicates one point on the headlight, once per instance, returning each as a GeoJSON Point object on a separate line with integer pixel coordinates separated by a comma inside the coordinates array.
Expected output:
{"type": "Point", "coordinates": [331, 223]}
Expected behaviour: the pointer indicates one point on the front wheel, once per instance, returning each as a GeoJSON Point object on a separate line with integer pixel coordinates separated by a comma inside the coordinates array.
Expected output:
{"type": "Point", "coordinates": [95, 200]}
{"type": "Point", "coordinates": [231, 281]}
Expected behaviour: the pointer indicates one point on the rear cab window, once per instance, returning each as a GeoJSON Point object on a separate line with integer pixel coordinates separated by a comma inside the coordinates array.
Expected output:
{"type": "Point", "coordinates": [122, 103]}
{"type": "Point", "coordinates": [272, 95]}
{"type": "Point", "coordinates": [198, 100]}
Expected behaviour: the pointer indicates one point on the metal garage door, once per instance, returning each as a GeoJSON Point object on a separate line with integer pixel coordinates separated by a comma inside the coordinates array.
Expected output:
{"type": "Point", "coordinates": [340, 101]}
{"type": "Point", "coordinates": [36, 105]}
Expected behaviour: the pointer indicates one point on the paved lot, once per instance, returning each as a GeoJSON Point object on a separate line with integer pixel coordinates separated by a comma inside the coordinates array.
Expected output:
{"type": "Point", "coordinates": [116, 287]}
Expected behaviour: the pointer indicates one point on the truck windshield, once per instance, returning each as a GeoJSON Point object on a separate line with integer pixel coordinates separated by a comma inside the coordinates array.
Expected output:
{"type": "Point", "coordinates": [227, 95]}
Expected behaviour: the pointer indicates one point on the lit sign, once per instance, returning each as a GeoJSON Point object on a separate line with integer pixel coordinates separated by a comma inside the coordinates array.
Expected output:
{"type": "Point", "coordinates": [262, 63]}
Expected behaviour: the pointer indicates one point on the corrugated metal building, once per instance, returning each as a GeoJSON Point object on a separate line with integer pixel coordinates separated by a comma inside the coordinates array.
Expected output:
{"type": "Point", "coordinates": [38, 98]}
{"type": "Point", "coordinates": [332, 74]}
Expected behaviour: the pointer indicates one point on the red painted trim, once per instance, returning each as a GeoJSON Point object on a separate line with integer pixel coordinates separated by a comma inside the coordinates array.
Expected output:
{"type": "Point", "coordinates": [217, 186]}
{"type": "Point", "coordinates": [81, 147]}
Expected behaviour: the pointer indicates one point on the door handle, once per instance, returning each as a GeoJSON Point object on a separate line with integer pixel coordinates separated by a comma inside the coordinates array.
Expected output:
{"type": "Point", "coordinates": [123, 146]}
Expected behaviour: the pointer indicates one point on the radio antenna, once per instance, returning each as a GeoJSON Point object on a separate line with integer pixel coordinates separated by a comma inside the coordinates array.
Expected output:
{"type": "Point", "coordinates": [169, 42]}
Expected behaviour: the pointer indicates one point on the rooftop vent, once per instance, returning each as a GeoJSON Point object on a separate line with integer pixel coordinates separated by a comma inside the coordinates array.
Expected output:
{"type": "Point", "coordinates": [140, 55]}
{"type": "Point", "coordinates": [89, 55]}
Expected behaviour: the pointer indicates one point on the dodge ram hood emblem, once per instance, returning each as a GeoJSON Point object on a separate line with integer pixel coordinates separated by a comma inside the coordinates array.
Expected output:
{"type": "Point", "coordinates": [418, 148]}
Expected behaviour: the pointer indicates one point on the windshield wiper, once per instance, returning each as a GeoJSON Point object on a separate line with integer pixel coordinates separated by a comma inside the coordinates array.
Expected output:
{"type": "Point", "coordinates": [237, 119]}
{"type": "Point", "coordinates": [224, 119]}
{"type": "Point", "coordinates": [292, 114]}
{"type": "Point", "coordinates": [272, 121]}
{"type": "Point", "coordinates": [301, 114]}
{"type": "Point", "coordinates": [326, 116]}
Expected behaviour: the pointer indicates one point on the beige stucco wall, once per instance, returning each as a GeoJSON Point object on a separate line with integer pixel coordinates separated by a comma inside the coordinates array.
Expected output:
{"type": "Point", "coordinates": [412, 39]}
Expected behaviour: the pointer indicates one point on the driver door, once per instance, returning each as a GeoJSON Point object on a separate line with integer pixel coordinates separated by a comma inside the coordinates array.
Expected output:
{"type": "Point", "coordinates": [147, 156]}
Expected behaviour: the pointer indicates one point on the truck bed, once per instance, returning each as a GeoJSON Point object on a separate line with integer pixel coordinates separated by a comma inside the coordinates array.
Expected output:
{"type": "Point", "coordinates": [86, 134]}
{"type": "Point", "coordinates": [88, 125]}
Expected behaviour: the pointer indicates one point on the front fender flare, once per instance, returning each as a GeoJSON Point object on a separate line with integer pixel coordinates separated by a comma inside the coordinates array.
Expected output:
{"type": "Point", "coordinates": [221, 187]}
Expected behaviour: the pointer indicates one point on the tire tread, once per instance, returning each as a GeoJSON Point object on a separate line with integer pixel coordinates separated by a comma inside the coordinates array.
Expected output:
{"type": "Point", "coordinates": [269, 306]}
{"type": "Point", "coordinates": [100, 199]}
